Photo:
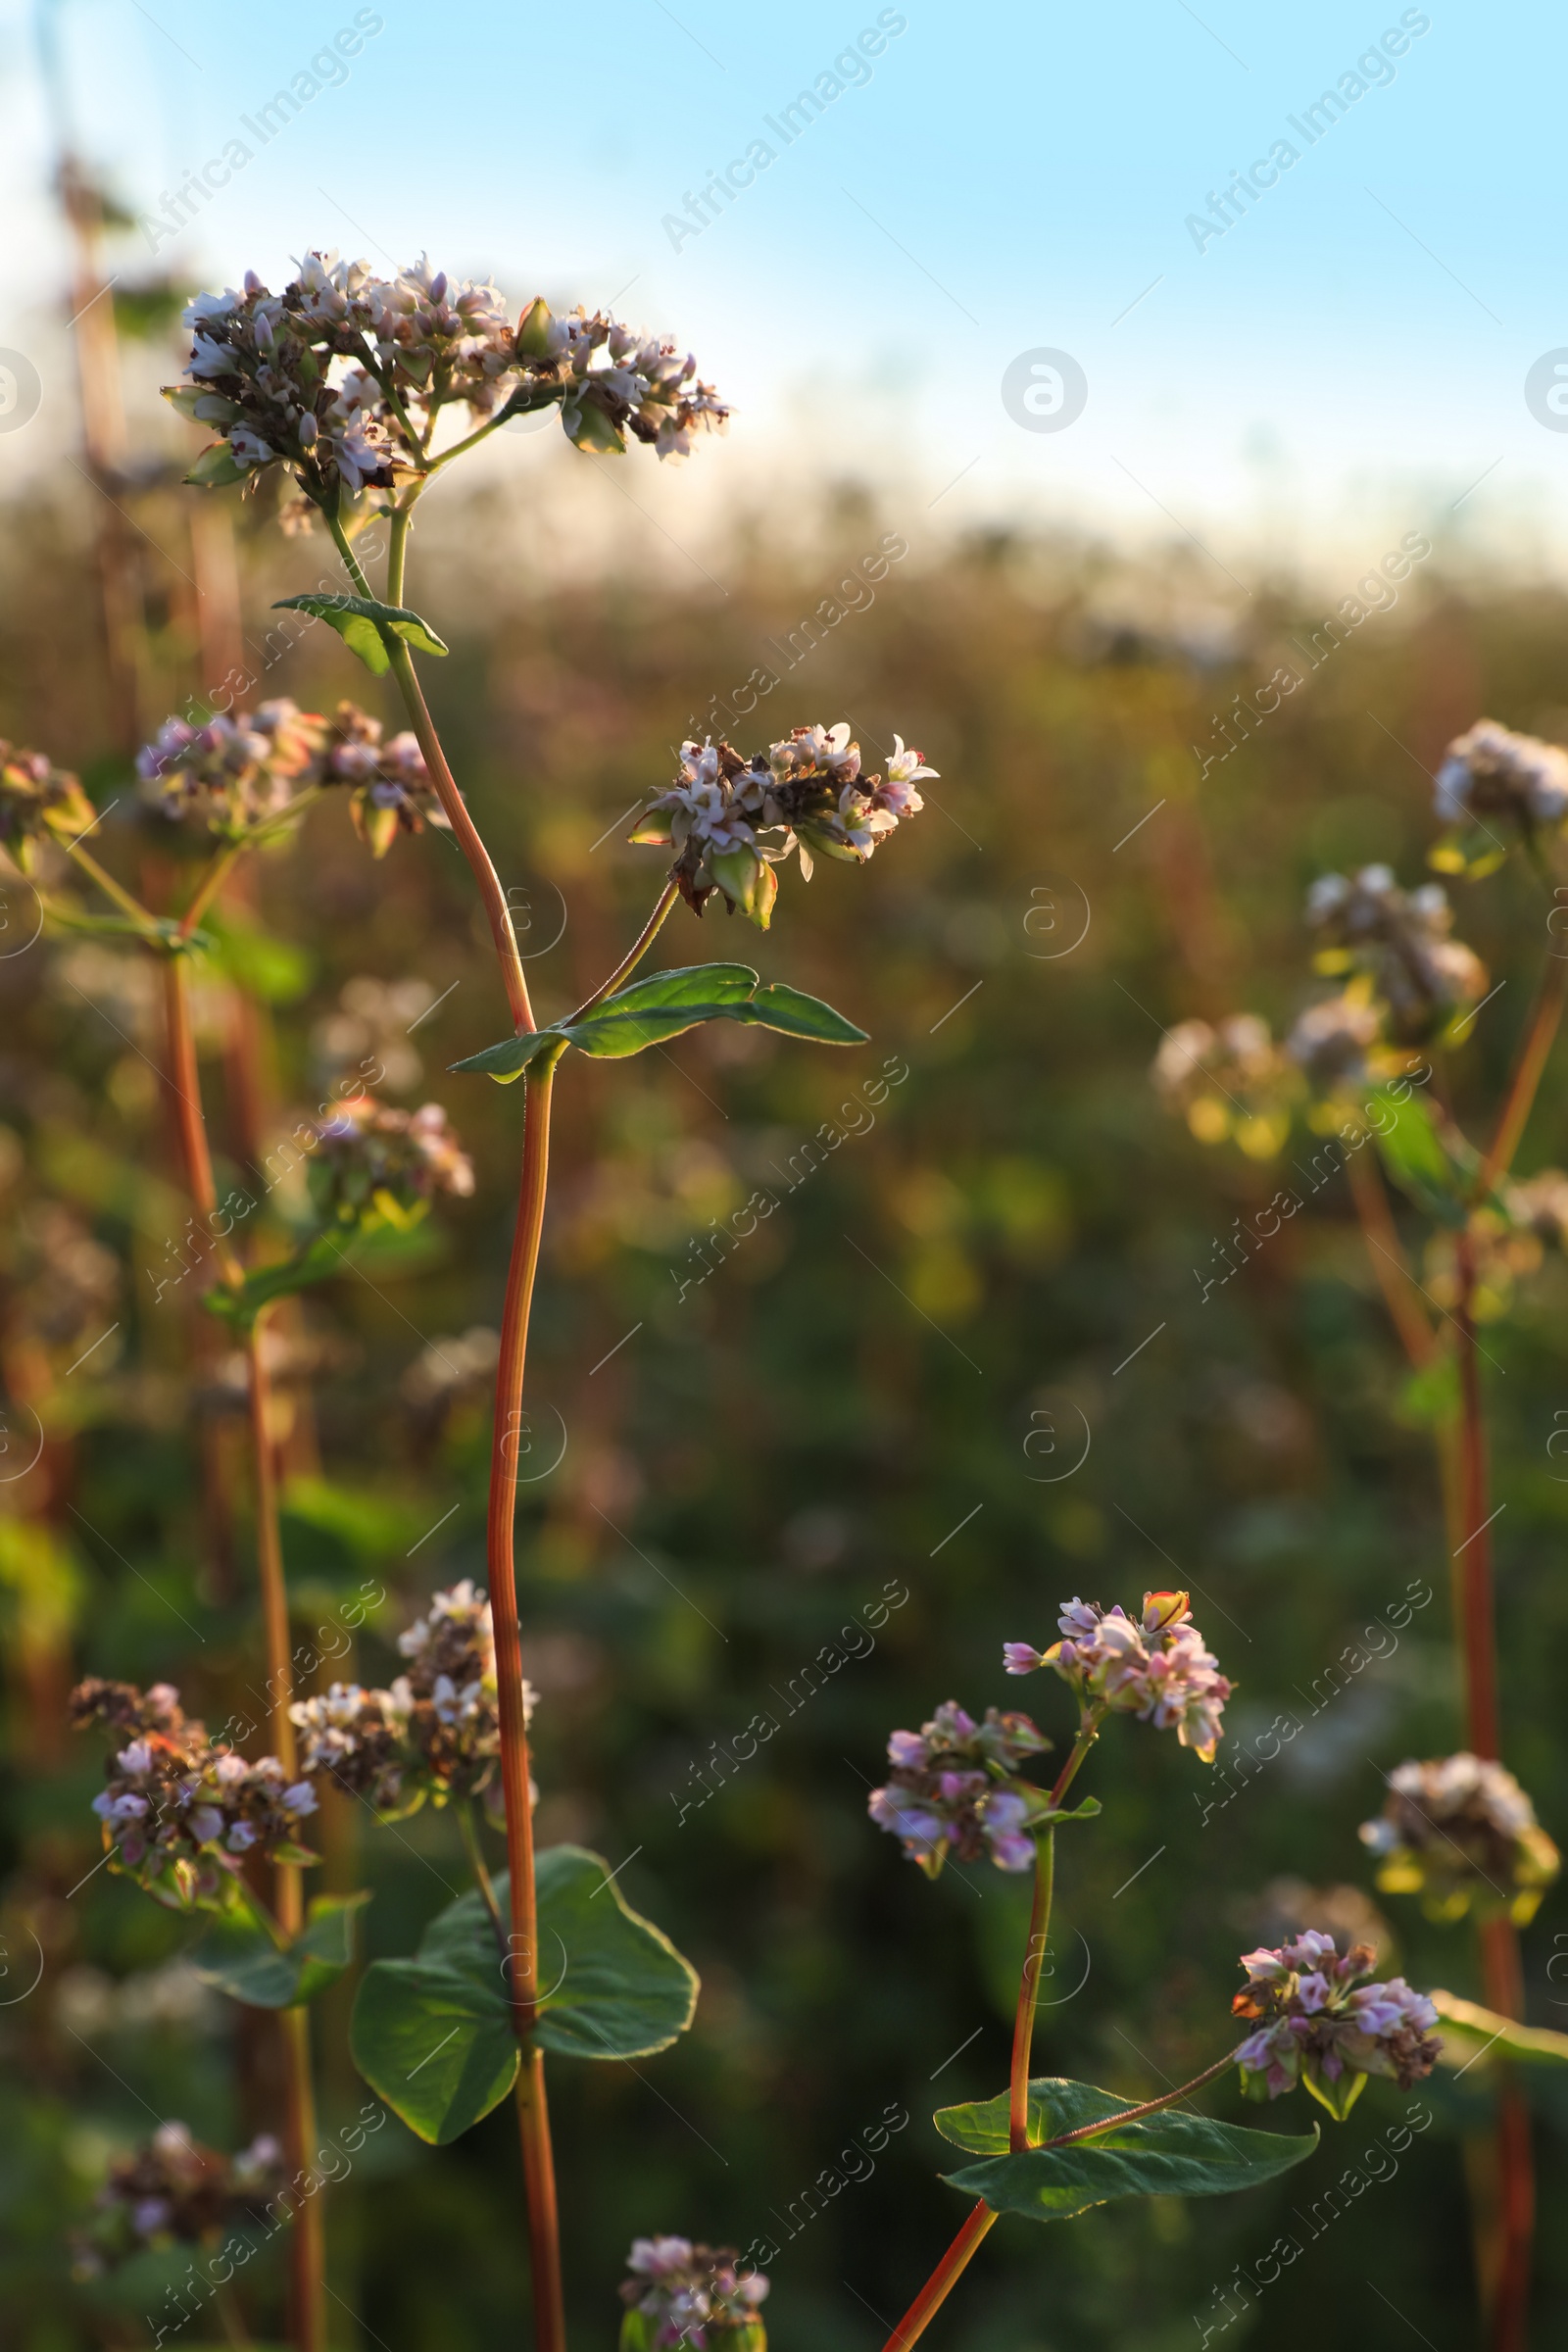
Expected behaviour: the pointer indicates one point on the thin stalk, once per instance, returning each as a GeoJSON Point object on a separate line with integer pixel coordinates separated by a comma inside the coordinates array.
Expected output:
{"type": "Point", "coordinates": [226, 2305]}
{"type": "Point", "coordinates": [1023, 2024]}
{"type": "Point", "coordinates": [1546, 1014]}
{"type": "Point", "coordinates": [533, 2121]}
{"type": "Point", "coordinates": [308, 2241]}
{"type": "Point", "coordinates": [482, 1873]}
{"type": "Point", "coordinates": [1477, 1630]}
{"type": "Point", "coordinates": [1132, 2115]}
{"type": "Point", "coordinates": [1504, 1979]}
{"type": "Point", "coordinates": [636, 952]}
{"type": "Point", "coordinates": [1088, 1734]}
{"type": "Point", "coordinates": [185, 1096]}
{"type": "Point", "coordinates": [1400, 1293]}
{"type": "Point", "coordinates": [937, 2289]}
{"type": "Point", "coordinates": [211, 883]}
{"type": "Point", "coordinates": [112, 889]}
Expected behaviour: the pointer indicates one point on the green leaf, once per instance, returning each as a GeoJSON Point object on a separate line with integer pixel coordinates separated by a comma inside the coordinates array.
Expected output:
{"type": "Point", "coordinates": [215, 468]}
{"type": "Point", "coordinates": [318, 1261]}
{"type": "Point", "coordinates": [650, 1010]}
{"type": "Point", "coordinates": [434, 2036]}
{"type": "Point", "coordinates": [278, 970]}
{"type": "Point", "coordinates": [596, 432]}
{"type": "Point", "coordinates": [362, 625]}
{"type": "Point", "coordinates": [1472, 2029]}
{"type": "Point", "coordinates": [1415, 1157]}
{"type": "Point", "coordinates": [508, 1059]}
{"type": "Point", "coordinates": [1169, 2154]}
{"type": "Point", "coordinates": [241, 1958]}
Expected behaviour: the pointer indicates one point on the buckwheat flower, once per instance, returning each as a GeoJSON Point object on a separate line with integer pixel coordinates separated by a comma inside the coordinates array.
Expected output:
{"type": "Point", "coordinates": [732, 821]}
{"type": "Point", "coordinates": [686, 2294]}
{"type": "Point", "coordinates": [375, 1163]}
{"type": "Point", "coordinates": [954, 1788]}
{"type": "Point", "coordinates": [1490, 772]}
{"type": "Point", "coordinates": [179, 1807]}
{"type": "Point", "coordinates": [1331, 1041]}
{"type": "Point", "coordinates": [235, 772]}
{"type": "Point", "coordinates": [1319, 2024]}
{"type": "Point", "coordinates": [1156, 1667]}
{"type": "Point", "coordinates": [175, 2190]}
{"type": "Point", "coordinates": [38, 802]}
{"type": "Point", "coordinates": [1461, 1832]}
{"type": "Point", "coordinates": [1540, 1202]}
{"type": "Point", "coordinates": [390, 788]}
{"type": "Point", "coordinates": [1227, 1079]}
{"type": "Point", "coordinates": [436, 1734]}
{"type": "Point", "coordinates": [1402, 941]}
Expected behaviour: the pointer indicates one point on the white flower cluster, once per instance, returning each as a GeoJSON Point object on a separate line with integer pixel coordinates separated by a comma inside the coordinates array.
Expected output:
{"type": "Point", "coordinates": [235, 771]}
{"type": "Point", "coordinates": [731, 822]}
{"type": "Point", "coordinates": [435, 1734]}
{"type": "Point", "coordinates": [1492, 771]}
{"type": "Point", "coordinates": [1401, 940]}
{"type": "Point", "coordinates": [342, 375]}
{"type": "Point", "coordinates": [1462, 1834]}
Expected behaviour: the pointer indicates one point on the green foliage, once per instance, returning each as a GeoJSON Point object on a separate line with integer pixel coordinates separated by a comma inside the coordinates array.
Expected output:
{"type": "Point", "coordinates": [651, 1011]}
{"type": "Point", "coordinates": [434, 2034]}
{"type": "Point", "coordinates": [365, 625]}
{"type": "Point", "coordinates": [243, 1957]}
{"type": "Point", "coordinates": [1169, 2154]}
{"type": "Point", "coordinates": [1413, 1154]}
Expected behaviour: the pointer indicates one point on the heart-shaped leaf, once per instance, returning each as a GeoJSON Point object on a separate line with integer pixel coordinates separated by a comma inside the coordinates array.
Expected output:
{"type": "Point", "coordinates": [241, 1958]}
{"type": "Point", "coordinates": [1169, 2154]}
{"type": "Point", "coordinates": [434, 2036]}
{"type": "Point", "coordinates": [650, 1010]}
{"type": "Point", "coordinates": [1472, 2031]}
{"type": "Point", "coordinates": [360, 622]}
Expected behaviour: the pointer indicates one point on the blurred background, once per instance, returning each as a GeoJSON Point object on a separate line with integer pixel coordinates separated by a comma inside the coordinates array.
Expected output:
{"type": "Point", "coordinates": [968, 1366]}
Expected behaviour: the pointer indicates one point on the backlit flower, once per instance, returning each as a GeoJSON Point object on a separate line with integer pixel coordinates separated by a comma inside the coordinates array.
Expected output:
{"type": "Point", "coordinates": [1318, 2023]}
{"type": "Point", "coordinates": [1156, 1667]}
{"type": "Point", "coordinates": [1401, 939]}
{"type": "Point", "coordinates": [1492, 772]}
{"type": "Point", "coordinates": [954, 1788]}
{"type": "Point", "coordinates": [1460, 1832]}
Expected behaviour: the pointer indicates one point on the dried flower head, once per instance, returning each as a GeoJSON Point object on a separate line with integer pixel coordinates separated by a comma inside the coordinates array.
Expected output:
{"type": "Point", "coordinates": [1490, 772]}
{"type": "Point", "coordinates": [1227, 1079]}
{"type": "Point", "coordinates": [1156, 1667]}
{"type": "Point", "coordinates": [435, 1734]}
{"type": "Point", "coordinates": [38, 802]}
{"type": "Point", "coordinates": [730, 822]}
{"type": "Point", "coordinates": [181, 1810]}
{"type": "Point", "coordinates": [1321, 2025]}
{"type": "Point", "coordinates": [236, 773]}
{"type": "Point", "coordinates": [376, 1163]}
{"type": "Point", "coordinates": [1401, 939]}
{"type": "Point", "coordinates": [343, 376]}
{"type": "Point", "coordinates": [681, 2293]}
{"type": "Point", "coordinates": [1460, 1832]}
{"type": "Point", "coordinates": [175, 2190]}
{"type": "Point", "coordinates": [955, 1790]}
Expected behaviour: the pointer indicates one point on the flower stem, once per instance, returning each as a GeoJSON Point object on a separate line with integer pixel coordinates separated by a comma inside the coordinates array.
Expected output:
{"type": "Point", "coordinates": [1546, 1014]}
{"type": "Point", "coordinates": [308, 2238]}
{"type": "Point", "coordinates": [1503, 1982]}
{"type": "Point", "coordinates": [1476, 1631]}
{"type": "Point", "coordinates": [1398, 1284]}
{"type": "Point", "coordinates": [1132, 2115]}
{"type": "Point", "coordinates": [1023, 2027]}
{"type": "Point", "coordinates": [112, 889]}
{"type": "Point", "coordinates": [183, 1081]}
{"type": "Point", "coordinates": [929, 2301]}
{"type": "Point", "coordinates": [1088, 1734]}
{"type": "Point", "coordinates": [636, 952]}
{"type": "Point", "coordinates": [469, 1827]}
{"type": "Point", "coordinates": [211, 883]}
{"type": "Point", "coordinates": [532, 2113]}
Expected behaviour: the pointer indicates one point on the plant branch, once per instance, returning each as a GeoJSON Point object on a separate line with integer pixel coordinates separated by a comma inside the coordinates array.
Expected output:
{"type": "Point", "coordinates": [1546, 1016]}
{"type": "Point", "coordinates": [112, 889]}
{"type": "Point", "coordinates": [1132, 2115]}
{"type": "Point", "coordinates": [1023, 2025]}
{"type": "Point", "coordinates": [185, 1094]}
{"type": "Point", "coordinates": [1477, 1630]}
{"type": "Point", "coordinates": [482, 1873]}
{"type": "Point", "coordinates": [211, 882]}
{"type": "Point", "coordinates": [1401, 1292]}
{"type": "Point", "coordinates": [637, 951]}
{"type": "Point", "coordinates": [937, 2289]}
{"type": "Point", "coordinates": [1088, 1734]}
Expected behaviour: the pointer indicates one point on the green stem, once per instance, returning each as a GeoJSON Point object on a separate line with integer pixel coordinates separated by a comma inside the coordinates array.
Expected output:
{"type": "Point", "coordinates": [112, 889]}
{"type": "Point", "coordinates": [211, 882]}
{"type": "Point", "coordinates": [1088, 1734]}
{"type": "Point", "coordinates": [635, 954]}
{"type": "Point", "coordinates": [468, 1824]}
{"type": "Point", "coordinates": [1023, 2028]}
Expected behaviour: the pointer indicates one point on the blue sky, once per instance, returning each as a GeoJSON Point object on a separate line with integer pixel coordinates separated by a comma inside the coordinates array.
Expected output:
{"type": "Point", "coordinates": [1341, 362]}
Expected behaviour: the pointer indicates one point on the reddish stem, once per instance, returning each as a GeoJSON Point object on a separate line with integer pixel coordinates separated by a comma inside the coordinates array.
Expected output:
{"type": "Point", "coordinates": [1476, 1631]}
{"type": "Point", "coordinates": [1519, 1101]}
{"type": "Point", "coordinates": [1132, 2115]}
{"type": "Point", "coordinates": [942, 2280]}
{"type": "Point", "coordinates": [523, 1975]}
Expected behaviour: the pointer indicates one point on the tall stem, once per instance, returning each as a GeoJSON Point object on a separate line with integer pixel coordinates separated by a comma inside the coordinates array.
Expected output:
{"type": "Point", "coordinates": [1395, 1279]}
{"type": "Point", "coordinates": [1546, 1014]}
{"type": "Point", "coordinates": [183, 1081]}
{"type": "Point", "coordinates": [533, 2121]}
{"type": "Point", "coordinates": [308, 2241]}
{"type": "Point", "coordinates": [937, 2289]}
{"type": "Point", "coordinates": [1023, 2024]}
{"type": "Point", "coordinates": [1476, 1631]}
